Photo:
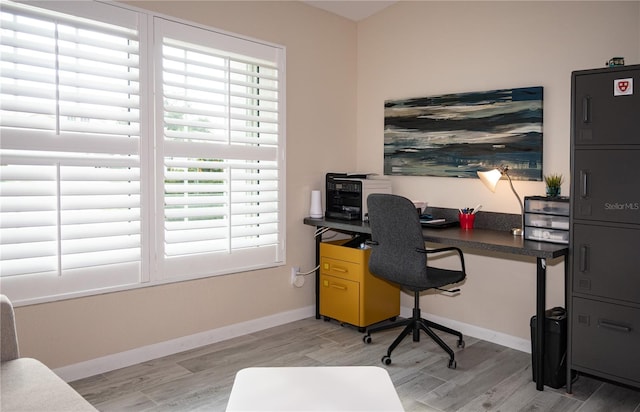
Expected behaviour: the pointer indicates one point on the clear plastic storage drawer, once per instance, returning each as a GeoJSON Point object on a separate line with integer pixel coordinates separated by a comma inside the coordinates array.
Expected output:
{"type": "Point", "coordinates": [547, 206]}
{"type": "Point", "coordinates": [546, 235]}
{"type": "Point", "coordinates": [546, 221]}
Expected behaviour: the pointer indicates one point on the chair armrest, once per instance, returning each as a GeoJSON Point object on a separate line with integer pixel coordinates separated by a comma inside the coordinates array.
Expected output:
{"type": "Point", "coordinates": [8, 336]}
{"type": "Point", "coordinates": [447, 249]}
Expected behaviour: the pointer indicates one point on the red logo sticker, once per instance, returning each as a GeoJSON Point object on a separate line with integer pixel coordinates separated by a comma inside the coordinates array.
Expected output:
{"type": "Point", "coordinates": [623, 85]}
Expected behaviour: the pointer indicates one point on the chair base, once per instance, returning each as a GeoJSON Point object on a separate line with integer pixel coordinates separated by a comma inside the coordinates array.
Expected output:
{"type": "Point", "coordinates": [413, 326]}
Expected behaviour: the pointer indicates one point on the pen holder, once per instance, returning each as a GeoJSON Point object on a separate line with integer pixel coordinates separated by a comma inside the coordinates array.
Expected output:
{"type": "Point", "coordinates": [466, 220]}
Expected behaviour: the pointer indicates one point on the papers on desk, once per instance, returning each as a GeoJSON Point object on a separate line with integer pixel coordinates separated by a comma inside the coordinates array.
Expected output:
{"type": "Point", "coordinates": [437, 222]}
{"type": "Point", "coordinates": [432, 221]}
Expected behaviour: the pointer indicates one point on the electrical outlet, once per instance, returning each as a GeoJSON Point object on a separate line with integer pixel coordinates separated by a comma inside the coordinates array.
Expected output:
{"type": "Point", "coordinates": [296, 280]}
{"type": "Point", "coordinates": [294, 274]}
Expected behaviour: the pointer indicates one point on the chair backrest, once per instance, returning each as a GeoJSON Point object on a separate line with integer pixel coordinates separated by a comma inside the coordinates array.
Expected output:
{"type": "Point", "coordinates": [397, 235]}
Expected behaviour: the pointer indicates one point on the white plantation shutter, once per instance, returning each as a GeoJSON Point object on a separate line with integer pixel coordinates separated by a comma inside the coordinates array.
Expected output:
{"type": "Point", "coordinates": [63, 75]}
{"type": "Point", "coordinates": [134, 150]}
{"type": "Point", "coordinates": [221, 151]}
{"type": "Point", "coordinates": [70, 214]}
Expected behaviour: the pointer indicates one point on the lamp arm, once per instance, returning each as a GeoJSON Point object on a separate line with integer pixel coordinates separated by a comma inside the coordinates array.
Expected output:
{"type": "Point", "coordinates": [519, 201]}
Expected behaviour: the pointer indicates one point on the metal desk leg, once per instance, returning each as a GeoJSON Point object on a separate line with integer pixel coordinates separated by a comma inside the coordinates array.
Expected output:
{"type": "Point", "coordinates": [318, 240]}
{"type": "Point", "coordinates": [567, 304]}
{"type": "Point", "coordinates": [541, 291]}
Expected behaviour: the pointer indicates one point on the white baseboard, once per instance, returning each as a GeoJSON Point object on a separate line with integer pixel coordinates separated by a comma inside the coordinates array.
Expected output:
{"type": "Point", "coordinates": [146, 353]}
{"type": "Point", "coordinates": [134, 356]}
{"type": "Point", "coordinates": [488, 335]}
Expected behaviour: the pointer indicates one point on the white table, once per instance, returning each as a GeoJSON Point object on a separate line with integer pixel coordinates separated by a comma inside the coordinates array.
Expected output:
{"type": "Point", "coordinates": [319, 388]}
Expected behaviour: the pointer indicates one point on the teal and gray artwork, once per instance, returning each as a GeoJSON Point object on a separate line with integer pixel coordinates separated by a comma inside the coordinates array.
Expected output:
{"type": "Point", "coordinates": [456, 135]}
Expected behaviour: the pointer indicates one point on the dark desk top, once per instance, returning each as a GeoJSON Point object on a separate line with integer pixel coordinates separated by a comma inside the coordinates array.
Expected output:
{"type": "Point", "coordinates": [484, 239]}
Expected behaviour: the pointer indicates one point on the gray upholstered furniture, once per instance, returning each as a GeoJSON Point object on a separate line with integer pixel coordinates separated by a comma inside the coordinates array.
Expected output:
{"type": "Point", "coordinates": [398, 255]}
{"type": "Point", "coordinates": [27, 384]}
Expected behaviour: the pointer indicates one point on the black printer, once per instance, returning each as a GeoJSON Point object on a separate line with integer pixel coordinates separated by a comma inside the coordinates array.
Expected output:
{"type": "Point", "coordinates": [346, 195]}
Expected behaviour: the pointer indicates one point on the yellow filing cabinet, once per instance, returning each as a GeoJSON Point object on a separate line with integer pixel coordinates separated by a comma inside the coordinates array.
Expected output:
{"type": "Point", "coordinates": [348, 292]}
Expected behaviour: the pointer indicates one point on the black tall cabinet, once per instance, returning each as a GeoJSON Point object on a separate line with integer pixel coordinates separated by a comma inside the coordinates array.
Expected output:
{"type": "Point", "coordinates": [603, 293]}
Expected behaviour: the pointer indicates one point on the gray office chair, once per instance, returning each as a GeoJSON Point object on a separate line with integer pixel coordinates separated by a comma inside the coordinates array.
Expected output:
{"type": "Point", "coordinates": [398, 254]}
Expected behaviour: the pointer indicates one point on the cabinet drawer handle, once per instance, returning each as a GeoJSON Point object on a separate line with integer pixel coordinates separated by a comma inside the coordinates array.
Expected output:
{"type": "Point", "coordinates": [339, 269]}
{"type": "Point", "coordinates": [340, 287]}
{"type": "Point", "coordinates": [610, 325]}
{"type": "Point", "coordinates": [586, 109]}
{"type": "Point", "coordinates": [584, 183]}
{"type": "Point", "coordinates": [584, 257]}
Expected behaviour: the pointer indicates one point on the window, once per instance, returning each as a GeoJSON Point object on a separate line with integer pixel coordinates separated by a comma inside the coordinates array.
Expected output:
{"type": "Point", "coordinates": [95, 194]}
{"type": "Point", "coordinates": [219, 151]}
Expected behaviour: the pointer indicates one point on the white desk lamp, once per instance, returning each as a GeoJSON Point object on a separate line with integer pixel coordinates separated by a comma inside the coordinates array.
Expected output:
{"type": "Point", "coordinates": [490, 180]}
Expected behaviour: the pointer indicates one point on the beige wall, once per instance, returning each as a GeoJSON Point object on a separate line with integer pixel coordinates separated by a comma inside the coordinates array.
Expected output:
{"type": "Point", "coordinates": [321, 103]}
{"type": "Point", "coordinates": [338, 75]}
{"type": "Point", "coordinates": [416, 49]}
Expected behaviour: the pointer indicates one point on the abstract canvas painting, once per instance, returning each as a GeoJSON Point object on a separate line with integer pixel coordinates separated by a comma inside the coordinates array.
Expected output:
{"type": "Point", "coordinates": [455, 135]}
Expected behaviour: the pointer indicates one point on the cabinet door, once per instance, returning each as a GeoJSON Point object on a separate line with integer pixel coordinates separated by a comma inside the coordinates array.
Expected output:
{"type": "Point", "coordinates": [606, 185]}
{"type": "Point", "coordinates": [339, 299]}
{"type": "Point", "coordinates": [606, 261]}
{"type": "Point", "coordinates": [601, 116]}
{"type": "Point", "coordinates": [606, 338]}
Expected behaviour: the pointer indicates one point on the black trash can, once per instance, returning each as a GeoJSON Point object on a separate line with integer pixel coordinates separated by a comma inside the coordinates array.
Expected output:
{"type": "Point", "coordinates": [555, 351]}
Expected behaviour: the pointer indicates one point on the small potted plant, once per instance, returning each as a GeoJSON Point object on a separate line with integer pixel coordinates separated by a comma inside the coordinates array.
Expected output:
{"type": "Point", "coordinates": [553, 182]}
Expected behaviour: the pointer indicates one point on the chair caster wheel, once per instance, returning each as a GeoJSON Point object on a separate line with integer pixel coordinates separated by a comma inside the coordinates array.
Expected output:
{"type": "Point", "coordinates": [461, 344]}
{"type": "Point", "coordinates": [366, 338]}
{"type": "Point", "coordinates": [386, 359]}
{"type": "Point", "coordinates": [452, 364]}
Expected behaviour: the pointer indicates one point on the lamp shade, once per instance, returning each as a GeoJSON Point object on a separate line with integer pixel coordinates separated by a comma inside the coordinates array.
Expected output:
{"type": "Point", "coordinates": [490, 178]}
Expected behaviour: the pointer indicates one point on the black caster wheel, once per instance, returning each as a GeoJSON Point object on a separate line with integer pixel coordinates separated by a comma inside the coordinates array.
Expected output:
{"type": "Point", "coordinates": [366, 338]}
{"type": "Point", "coordinates": [386, 359]}
{"type": "Point", "coordinates": [452, 364]}
{"type": "Point", "coordinates": [327, 319]}
{"type": "Point", "coordinates": [461, 344]}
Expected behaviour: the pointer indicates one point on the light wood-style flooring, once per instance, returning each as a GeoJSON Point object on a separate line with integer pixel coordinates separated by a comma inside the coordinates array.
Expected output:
{"type": "Point", "coordinates": [488, 377]}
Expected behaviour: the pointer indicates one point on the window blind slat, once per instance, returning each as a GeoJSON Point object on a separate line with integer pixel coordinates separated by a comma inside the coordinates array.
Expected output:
{"type": "Point", "coordinates": [94, 41]}
{"type": "Point", "coordinates": [35, 62]}
{"type": "Point", "coordinates": [106, 215]}
{"type": "Point", "coordinates": [98, 70]}
{"type": "Point", "coordinates": [97, 259]}
{"type": "Point", "coordinates": [46, 92]}
{"type": "Point", "coordinates": [176, 225]}
{"type": "Point", "coordinates": [13, 80]}
{"type": "Point", "coordinates": [25, 204]}
{"type": "Point", "coordinates": [43, 107]}
{"type": "Point", "coordinates": [28, 219]}
{"type": "Point", "coordinates": [254, 157]}
{"type": "Point", "coordinates": [38, 248]}
{"type": "Point", "coordinates": [46, 265]}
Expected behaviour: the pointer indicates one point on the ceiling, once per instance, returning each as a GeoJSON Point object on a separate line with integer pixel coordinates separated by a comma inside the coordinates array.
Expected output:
{"type": "Point", "coordinates": [355, 10]}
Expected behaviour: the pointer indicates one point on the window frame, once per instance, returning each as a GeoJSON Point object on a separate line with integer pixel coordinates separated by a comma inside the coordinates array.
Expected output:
{"type": "Point", "coordinates": [153, 268]}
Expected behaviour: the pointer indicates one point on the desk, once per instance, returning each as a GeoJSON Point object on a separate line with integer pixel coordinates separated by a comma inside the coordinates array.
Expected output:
{"type": "Point", "coordinates": [477, 238]}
